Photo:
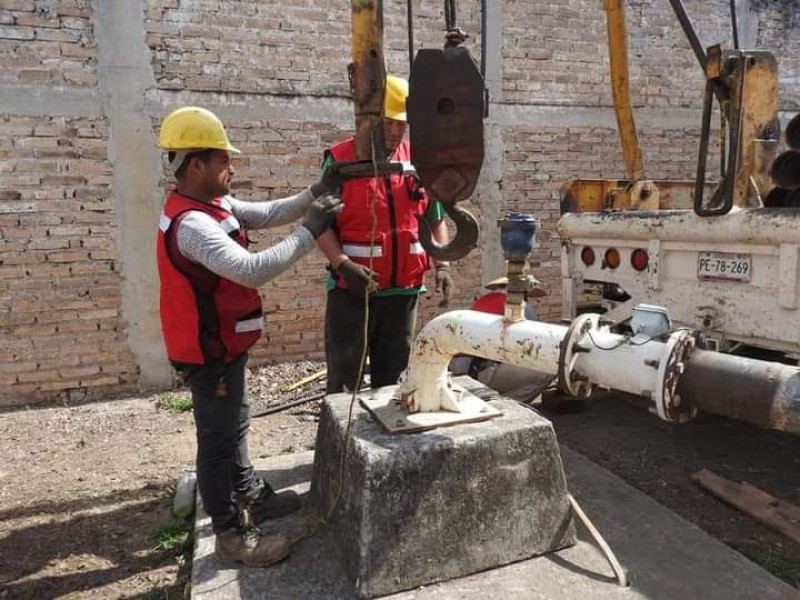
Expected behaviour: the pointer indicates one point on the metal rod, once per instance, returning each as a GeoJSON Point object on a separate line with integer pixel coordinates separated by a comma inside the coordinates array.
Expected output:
{"type": "Point", "coordinates": [689, 31]}
{"type": "Point", "coordinates": [702, 157]}
{"type": "Point", "coordinates": [734, 25]}
{"type": "Point", "coordinates": [287, 405]}
{"type": "Point", "coordinates": [410, 25]}
{"type": "Point", "coordinates": [484, 22]}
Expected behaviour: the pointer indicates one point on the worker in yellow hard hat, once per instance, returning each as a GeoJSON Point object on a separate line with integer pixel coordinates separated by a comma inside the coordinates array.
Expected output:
{"type": "Point", "coordinates": [211, 316]}
{"type": "Point", "coordinates": [381, 256]}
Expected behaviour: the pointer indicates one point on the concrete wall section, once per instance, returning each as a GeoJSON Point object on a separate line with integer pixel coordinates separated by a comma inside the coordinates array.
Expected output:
{"type": "Point", "coordinates": [85, 84]}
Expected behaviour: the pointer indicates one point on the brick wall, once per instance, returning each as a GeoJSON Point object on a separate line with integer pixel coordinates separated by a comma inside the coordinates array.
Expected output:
{"type": "Point", "coordinates": [60, 306]}
{"type": "Point", "coordinates": [779, 30]}
{"type": "Point", "coordinates": [47, 42]}
{"type": "Point", "coordinates": [556, 52]}
{"type": "Point", "coordinates": [63, 329]}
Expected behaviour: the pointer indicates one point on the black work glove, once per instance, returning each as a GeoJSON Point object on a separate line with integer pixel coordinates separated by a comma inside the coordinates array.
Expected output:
{"type": "Point", "coordinates": [321, 213]}
{"type": "Point", "coordinates": [359, 279]}
{"type": "Point", "coordinates": [330, 182]}
{"type": "Point", "coordinates": [444, 284]}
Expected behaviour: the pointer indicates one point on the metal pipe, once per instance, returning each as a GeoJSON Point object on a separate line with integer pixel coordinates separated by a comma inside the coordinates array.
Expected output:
{"type": "Point", "coordinates": [678, 379]}
{"type": "Point", "coordinates": [785, 171]}
{"type": "Point", "coordinates": [763, 393]}
{"type": "Point", "coordinates": [626, 367]}
{"type": "Point", "coordinates": [529, 344]}
{"type": "Point", "coordinates": [793, 133]}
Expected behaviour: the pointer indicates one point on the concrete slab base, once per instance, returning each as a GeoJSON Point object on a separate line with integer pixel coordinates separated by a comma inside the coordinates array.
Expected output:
{"type": "Point", "coordinates": [411, 510]}
{"type": "Point", "coordinates": [665, 556]}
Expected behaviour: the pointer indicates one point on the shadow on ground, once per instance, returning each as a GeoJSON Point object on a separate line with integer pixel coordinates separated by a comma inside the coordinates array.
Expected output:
{"type": "Point", "coordinates": [64, 548]}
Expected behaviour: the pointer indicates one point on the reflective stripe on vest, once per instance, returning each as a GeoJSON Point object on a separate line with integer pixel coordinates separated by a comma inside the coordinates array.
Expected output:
{"type": "Point", "coordinates": [354, 251]}
{"type": "Point", "coordinates": [249, 325]}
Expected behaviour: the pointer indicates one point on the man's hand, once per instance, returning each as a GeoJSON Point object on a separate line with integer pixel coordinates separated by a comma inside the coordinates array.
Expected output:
{"type": "Point", "coordinates": [321, 213]}
{"type": "Point", "coordinates": [444, 284]}
{"type": "Point", "coordinates": [359, 279]}
{"type": "Point", "coordinates": [330, 182]}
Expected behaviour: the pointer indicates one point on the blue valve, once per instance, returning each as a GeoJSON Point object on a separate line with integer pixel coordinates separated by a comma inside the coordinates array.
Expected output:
{"type": "Point", "coordinates": [518, 235]}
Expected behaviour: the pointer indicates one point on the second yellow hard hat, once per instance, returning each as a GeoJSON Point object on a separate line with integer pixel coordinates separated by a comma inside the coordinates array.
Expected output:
{"type": "Point", "coordinates": [394, 103]}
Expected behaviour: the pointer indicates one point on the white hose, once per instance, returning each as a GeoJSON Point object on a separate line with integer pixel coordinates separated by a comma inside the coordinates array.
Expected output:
{"type": "Point", "coordinates": [622, 578]}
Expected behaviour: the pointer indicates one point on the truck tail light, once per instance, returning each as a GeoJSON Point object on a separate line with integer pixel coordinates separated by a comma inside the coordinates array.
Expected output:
{"type": "Point", "coordinates": [587, 256]}
{"type": "Point", "coordinates": [639, 259]}
{"type": "Point", "coordinates": [612, 259]}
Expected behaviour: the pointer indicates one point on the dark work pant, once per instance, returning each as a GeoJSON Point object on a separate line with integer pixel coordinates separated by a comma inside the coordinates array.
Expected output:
{"type": "Point", "coordinates": [222, 418]}
{"type": "Point", "coordinates": [390, 333]}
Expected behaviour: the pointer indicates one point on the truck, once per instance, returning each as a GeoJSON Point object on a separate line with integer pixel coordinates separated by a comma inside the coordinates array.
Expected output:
{"type": "Point", "coordinates": [720, 253]}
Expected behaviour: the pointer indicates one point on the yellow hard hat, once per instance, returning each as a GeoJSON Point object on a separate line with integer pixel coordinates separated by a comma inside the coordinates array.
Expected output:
{"type": "Point", "coordinates": [193, 128]}
{"type": "Point", "coordinates": [394, 103]}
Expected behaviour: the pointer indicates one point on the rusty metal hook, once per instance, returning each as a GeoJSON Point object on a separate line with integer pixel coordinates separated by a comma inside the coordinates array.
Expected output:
{"type": "Point", "coordinates": [465, 239]}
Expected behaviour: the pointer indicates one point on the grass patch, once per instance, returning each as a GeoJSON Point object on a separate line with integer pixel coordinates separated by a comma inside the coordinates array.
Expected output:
{"type": "Point", "coordinates": [176, 536]}
{"type": "Point", "coordinates": [178, 402]}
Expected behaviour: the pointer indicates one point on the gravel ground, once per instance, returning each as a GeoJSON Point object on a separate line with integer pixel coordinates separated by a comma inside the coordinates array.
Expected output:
{"type": "Point", "coordinates": [85, 491]}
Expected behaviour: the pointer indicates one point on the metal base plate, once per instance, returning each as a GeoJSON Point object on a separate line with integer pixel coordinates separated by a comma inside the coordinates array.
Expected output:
{"type": "Point", "coordinates": [395, 418]}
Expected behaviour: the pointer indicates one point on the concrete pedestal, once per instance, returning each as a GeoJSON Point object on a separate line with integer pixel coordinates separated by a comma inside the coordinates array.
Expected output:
{"type": "Point", "coordinates": [413, 509]}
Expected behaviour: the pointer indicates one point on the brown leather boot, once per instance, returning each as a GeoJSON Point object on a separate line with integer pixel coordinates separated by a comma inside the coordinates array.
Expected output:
{"type": "Point", "coordinates": [264, 503]}
{"type": "Point", "coordinates": [248, 546]}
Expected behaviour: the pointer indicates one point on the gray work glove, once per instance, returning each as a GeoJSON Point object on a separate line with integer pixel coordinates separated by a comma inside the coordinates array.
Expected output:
{"type": "Point", "coordinates": [321, 213]}
{"type": "Point", "coordinates": [444, 284]}
{"type": "Point", "coordinates": [330, 182]}
{"type": "Point", "coordinates": [359, 279]}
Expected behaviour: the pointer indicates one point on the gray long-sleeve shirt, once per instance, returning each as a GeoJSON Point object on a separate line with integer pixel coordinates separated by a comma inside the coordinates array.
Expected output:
{"type": "Point", "coordinates": [202, 240]}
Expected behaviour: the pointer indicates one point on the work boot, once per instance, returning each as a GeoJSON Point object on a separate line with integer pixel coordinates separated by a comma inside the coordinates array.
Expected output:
{"type": "Point", "coordinates": [249, 547]}
{"type": "Point", "coordinates": [264, 503]}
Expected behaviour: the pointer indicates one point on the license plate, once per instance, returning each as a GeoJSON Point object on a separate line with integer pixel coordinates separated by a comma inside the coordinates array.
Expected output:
{"type": "Point", "coordinates": [719, 265]}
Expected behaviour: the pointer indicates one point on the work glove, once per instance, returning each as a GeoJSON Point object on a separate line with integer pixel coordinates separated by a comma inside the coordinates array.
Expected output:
{"type": "Point", "coordinates": [359, 279]}
{"type": "Point", "coordinates": [321, 213]}
{"type": "Point", "coordinates": [330, 182]}
{"type": "Point", "coordinates": [444, 284]}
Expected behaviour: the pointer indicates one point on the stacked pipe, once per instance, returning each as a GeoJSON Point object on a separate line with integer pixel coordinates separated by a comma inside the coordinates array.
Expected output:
{"type": "Point", "coordinates": [785, 171]}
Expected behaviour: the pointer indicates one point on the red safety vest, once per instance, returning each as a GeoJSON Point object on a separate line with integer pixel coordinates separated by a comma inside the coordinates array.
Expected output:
{"type": "Point", "coordinates": [397, 255]}
{"type": "Point", "coordinates": [205, 318]}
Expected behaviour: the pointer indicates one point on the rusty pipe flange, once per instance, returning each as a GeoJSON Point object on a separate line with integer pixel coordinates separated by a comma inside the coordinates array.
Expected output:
{"type": "Point", "coordinates": [668, 403]}
{"type": "Point", "coordinates": [568, 381]}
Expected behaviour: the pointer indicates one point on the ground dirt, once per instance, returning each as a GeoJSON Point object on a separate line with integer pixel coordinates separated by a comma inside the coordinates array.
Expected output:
{"type": "Point", "coordinates": [84, 490]}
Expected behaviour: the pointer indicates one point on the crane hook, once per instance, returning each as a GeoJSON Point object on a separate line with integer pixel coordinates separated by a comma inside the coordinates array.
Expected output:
{"type": "Point", "coordinates": [465, 240]}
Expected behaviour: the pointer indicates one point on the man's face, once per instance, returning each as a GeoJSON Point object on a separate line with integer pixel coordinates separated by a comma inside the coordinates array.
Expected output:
{"type": "Point", "coordinates": [214, 175]}
{"type": "Point", "coordinates": [393, 132]}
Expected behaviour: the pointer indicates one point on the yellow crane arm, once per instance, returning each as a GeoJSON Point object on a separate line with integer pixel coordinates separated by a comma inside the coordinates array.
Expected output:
{"type": "Point", "coordinates": [368, 73]}
{"type": "Point", "coordinates": [620, 87]}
